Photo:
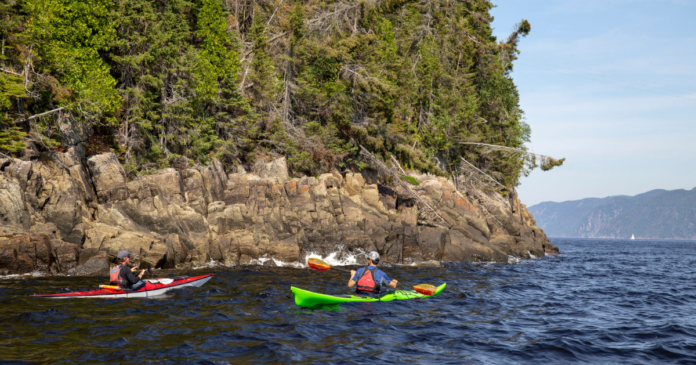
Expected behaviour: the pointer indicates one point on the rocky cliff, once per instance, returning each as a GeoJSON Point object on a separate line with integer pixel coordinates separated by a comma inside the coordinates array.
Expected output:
{"type": "Point", "coordinates": [66, 214]}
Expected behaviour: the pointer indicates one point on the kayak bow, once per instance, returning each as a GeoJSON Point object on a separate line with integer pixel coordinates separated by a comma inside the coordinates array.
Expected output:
{"type": "Point", "coordinates": [153, 287]}
{"type": "Point", "coordinates": [306, 298]}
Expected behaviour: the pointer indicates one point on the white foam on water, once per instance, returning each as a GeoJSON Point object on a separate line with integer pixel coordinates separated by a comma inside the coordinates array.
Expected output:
{"type": "Point", "coordinates": [208, 265]}
{"type": "Point", "coordinates": [279, 263]}
{"type": "Point", "coordinates": [429, 263]}
{"type": "Point", "coordinates": [357, 258]}
{"type": "Point", "coordinates": [512, 259]}
{"type": "Point", "coordinates": [33, 274]}
{"type": "Point", "coordinates": [530, 255]}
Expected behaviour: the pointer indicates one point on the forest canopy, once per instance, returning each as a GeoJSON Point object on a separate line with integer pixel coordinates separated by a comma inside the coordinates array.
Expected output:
{"type": "Point", "coordinates": [240, 80]}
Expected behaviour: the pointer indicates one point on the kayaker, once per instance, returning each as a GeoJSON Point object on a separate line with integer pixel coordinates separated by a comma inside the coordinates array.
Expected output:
{"type": "Point", "coordinates": [370, 279]}
{"type": "Point", "coordinates": [125, 277]}
{"type": "Point", "coordinates": [115, 270]}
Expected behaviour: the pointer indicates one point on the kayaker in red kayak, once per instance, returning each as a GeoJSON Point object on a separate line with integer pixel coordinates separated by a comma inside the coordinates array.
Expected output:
{"type": "Point", "coordinates": [370, 279]}
{"type": "Point", "coordinates": [123, 275]}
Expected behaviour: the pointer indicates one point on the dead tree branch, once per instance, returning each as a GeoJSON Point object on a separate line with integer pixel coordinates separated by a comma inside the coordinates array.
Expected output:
{"type": "Point", "coordinates": [11, 72]}
{"type": "Point", "coordinates": [467, 163]}
{"type": "Point", "coordinates": [396, 178]}
{"type": "Point", "coordinates": [530, 158]}
{"type": "Point", "coordinates": [40, 115]}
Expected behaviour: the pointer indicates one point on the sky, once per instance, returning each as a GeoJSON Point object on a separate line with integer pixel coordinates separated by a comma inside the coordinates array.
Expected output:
{"type": "Point", "coordinates": [611, 86]}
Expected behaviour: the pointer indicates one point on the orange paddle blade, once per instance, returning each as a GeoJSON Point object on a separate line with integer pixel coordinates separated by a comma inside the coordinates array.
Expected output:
{"type": "Point", "coordinates": [318, 264]}
{"type": "Point", "coordinates": [425, 289]}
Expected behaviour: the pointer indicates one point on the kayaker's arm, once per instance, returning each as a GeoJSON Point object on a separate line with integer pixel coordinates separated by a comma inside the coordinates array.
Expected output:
{"type": "Point", "coordinates": [393, 283]}
{"type": "Point", "coordinates": [351, 282]}
{"type": "Point", "coordinates": [128, 275]}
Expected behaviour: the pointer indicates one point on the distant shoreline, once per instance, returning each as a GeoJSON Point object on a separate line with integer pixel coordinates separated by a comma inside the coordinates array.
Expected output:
{"type": "Point", "coordinates": [626, 239]}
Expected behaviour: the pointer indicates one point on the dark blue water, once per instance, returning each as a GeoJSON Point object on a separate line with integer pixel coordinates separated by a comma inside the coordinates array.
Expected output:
{"type": "Point", "coordinates": [602, 301]}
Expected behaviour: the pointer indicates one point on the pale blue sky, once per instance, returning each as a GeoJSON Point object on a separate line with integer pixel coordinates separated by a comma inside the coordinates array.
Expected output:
{"type": "Point", "coordinates": [611, 86]}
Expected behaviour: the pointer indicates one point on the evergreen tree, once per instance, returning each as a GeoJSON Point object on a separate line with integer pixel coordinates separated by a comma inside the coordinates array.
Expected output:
{"type": "Point", "coordinates": [425, 82]}
{"type": "Point", "coordinates": [64, 38]}
{"type": "Point", "coordinates": [263, 84]}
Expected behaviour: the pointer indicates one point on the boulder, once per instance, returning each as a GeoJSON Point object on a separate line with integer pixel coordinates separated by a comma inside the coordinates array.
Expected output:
{"type": "Point", "coordinates": [73, 132]}
{"type": "Point", "coordinates": [63, 207]}
{"type": "Point", "coordinates": [195, 192]}
{"type": "Point", "coordinates": [13, 207]}
{"type": "Point", "coordinates": [215, 180]}
{"type": "Point", "coordinates": [276, 169]}
{"type": "Point", "coordinates": [67, 255]}
{"type": "Point", "coordinates": [432, 242]}
{"type": "Point", "coordinates": [157, 257]}
{"type": "Point", "coordinates": [91, 263]}
{"type": "Point", "coordinates": [108, 177]}
{"type": "Point", "coordinates": [18, 169]}
{"type": "Point", "coordinates": [23, 253]}
{"type": "Point", "coordinates": [459, 248]}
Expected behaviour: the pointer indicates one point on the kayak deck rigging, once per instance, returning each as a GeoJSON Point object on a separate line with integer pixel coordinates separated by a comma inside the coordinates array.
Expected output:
{"type": "Point", "coordinates": [152, 287]}
{"type": "Point", "coordinates": [308, 299]}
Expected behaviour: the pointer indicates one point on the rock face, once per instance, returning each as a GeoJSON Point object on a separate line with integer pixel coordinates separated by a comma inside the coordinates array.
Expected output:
{"type": "Point", "coordinates": [67, 214]}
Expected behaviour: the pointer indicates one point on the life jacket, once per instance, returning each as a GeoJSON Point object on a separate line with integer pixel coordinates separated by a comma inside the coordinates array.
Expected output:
{"type": "Point", "coordinates": [367, 282]}
{"type": "Point", "coordinates": [114, 276]}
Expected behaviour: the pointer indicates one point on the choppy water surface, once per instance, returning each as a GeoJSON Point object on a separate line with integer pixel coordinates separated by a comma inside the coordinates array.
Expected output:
{"type": "Point", "coordinates": [602, 301]}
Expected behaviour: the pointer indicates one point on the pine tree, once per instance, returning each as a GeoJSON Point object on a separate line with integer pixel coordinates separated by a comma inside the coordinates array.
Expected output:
{"type": "Point", "coordinates": [263, 84]}
{"type": "Point", "coordinates": [65, 38]}
{"type": "Point", "coordinates": [424, 82]}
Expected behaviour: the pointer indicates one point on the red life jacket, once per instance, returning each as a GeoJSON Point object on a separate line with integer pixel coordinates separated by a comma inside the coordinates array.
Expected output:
{"type": "Point", "coordinates": [367, 283]}
{"type": "Point", "coordinates": [114, 276]}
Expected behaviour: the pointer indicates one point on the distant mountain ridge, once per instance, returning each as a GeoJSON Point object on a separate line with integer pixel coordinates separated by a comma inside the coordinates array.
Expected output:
{"type": "Point", "coordinates": [657, 214]}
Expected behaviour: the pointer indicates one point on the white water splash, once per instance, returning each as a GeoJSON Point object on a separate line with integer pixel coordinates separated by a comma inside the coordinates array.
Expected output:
{"type": "Point", "coordinates": [357, 258]}
{"type": "Point", "coordinates": [530, 255]}
{"type": "Point", "coordinates": [512, 259]}
{"type": "Point", "coordinates": [208, 265]}
{"type": "Point", "coordinates": [430, 263]}
{"type": "Point", "coordinates": [332, 259]}
{"type": "Point", "coordinates": [33, 274]}
{"type": "Point", "coordinates": [279, 263]}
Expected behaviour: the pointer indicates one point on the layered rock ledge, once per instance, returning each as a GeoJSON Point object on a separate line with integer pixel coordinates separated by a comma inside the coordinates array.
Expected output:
{"type": "Point", "coordinates": [71, 215]}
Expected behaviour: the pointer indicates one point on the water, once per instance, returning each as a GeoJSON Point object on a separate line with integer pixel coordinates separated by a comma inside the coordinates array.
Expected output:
{"type": "Point", "coordinates": [602, 301]}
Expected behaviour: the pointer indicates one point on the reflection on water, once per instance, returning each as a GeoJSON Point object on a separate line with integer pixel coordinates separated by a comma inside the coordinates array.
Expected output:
{"type": "Point", "coordinates": [602, 301]}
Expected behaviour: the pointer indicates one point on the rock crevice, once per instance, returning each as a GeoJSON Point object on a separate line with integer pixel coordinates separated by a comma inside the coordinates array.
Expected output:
{"type": "Point", "coordinates": [67, 214]}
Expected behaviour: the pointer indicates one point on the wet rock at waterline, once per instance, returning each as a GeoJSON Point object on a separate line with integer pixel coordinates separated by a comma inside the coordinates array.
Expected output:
{"type": "Point", "coordinates": [60, 215]}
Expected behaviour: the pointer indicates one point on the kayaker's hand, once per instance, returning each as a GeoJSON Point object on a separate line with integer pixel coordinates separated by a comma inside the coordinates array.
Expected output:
{"type": "Point", "coordinates": [142, 272]}
{"type": "Point", "coordinates": [134, 269]}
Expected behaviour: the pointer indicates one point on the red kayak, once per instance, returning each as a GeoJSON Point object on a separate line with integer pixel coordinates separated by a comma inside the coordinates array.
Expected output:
{"type": "Point", "coordinates": [153, 287]}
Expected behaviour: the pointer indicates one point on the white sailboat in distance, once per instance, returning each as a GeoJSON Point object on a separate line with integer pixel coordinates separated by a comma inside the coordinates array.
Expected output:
{"type": "Point", "coordinates": [633, 237]}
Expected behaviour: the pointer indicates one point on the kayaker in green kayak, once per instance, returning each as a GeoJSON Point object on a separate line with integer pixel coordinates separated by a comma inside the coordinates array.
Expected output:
{"type": "Point", "coordinates": [370, 279]}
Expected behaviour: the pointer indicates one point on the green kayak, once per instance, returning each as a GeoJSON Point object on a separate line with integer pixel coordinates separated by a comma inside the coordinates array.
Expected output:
{"type": "Point", "coordinates": [305, 298]}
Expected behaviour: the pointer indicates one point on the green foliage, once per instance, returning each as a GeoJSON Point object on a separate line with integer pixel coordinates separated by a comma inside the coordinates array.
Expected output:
{"type": "Point", "coordinates": [66, 37]}
{"type": "Point", "coordinates": [239, 81]}
{"type": "Point", "coordinates": [551, 163]}
{"type": "Point", "coordinates": [11, 86]}
{"type": "Point", "coordinates": [296, 20]}
{"type": "Point", "coordinates": [263, 72]}
{"type": "Point", "coordinates": [219, 59]}
{"type": "Point", "coordinates": [409, 179]}
{"type": "Point", "coordinates": [12, 140]}
{"type": "Point", "coordinates": [11, 137]}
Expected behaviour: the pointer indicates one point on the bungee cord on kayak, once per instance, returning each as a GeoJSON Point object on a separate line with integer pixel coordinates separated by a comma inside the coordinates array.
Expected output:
{"type": "Point", "coordinates": [305, 298]}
